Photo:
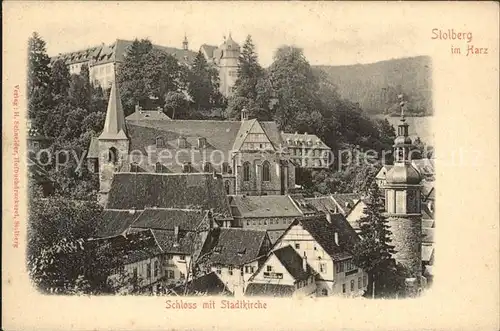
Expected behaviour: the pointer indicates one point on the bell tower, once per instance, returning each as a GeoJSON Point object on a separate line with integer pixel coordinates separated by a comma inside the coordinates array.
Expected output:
{"type": "Point", "coordinates": [113, 143]}
{"type": "Point", "coordinates": [402, 203]}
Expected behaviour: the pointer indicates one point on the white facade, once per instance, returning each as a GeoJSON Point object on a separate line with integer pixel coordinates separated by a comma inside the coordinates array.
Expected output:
{"type": "Point", "coordinates": [337, 276]}
{"type": "Point", "coordinates": [236, 278]}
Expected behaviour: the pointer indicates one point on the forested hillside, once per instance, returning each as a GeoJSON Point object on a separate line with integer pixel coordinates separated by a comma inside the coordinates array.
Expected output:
{"type": "Point", "coordinates": [376, 86]}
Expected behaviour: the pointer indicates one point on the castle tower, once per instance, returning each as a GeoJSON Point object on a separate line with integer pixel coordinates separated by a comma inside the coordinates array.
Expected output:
{"type": "Point", "coordinates": [402, 204]}
{"type": "Point", "coordinates": [228, 65]}
{"type": "Point", "coordinates": [113, 143]}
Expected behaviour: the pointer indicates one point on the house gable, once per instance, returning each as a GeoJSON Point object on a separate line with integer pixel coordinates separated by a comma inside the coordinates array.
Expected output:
{"type": "Point", "coordinates": [252, 137]}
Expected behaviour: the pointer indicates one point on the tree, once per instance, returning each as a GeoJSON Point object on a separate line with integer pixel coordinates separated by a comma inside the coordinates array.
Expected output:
{"type": "Point", "coordinates": [38, 65]}
{"type": "Point", "coordinates": [249, 71]}
{"type": "Point", "coordinates": [203, 84]}
{"type": "Point", "coordinates": [295, 86]}
{"type": "Point", "coordinates": [60, 79]}
{"type": "Point", "coordinates": [80, 89]}
{"type": "Point", "coordinates": [373, 253]}
{"type": "Point", "coordinates": [147, 75]}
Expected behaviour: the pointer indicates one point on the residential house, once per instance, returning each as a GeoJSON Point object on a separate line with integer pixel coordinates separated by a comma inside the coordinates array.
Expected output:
{"type": "Point", "coordinates": [284, 273]}
{"type": "Point", "coordinates": [307, 150]}
{"type": "Point", "coordinates": [326, 245]}
{"type": "Point", "coordinates": [147, 114]}
{"type": "Point", "coordinates": [273, 213]}
{"type": "Point", "coordinates": [234, 254]}
{"type": "Point", "coordinates": [209, 284]}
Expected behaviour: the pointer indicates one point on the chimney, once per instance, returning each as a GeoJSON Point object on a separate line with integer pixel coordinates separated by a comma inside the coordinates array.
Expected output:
{"type": "Point", "coordinates": [304, 262]}
{"type": "Point", "coordinates": [176, 236]}
{"type": "Point", "coordinates": [336, 234]}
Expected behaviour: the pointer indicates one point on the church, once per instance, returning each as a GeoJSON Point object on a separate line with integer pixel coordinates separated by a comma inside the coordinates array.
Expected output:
{"type": "Point", "coordinates": [248, 155]}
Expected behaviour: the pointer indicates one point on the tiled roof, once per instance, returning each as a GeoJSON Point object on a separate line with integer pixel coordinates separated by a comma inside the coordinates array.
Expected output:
{"type": "Point", "coordinates": [185, 244]}
{"type": "Point", "coordinates": [424, 166]}
{"type": "Point", "coordinates": [292, 262]}
{"type": "Point", "coordinates": [116, 53]}
{"type": "Point", "coordinates": [323, 204]}
{"type": "Point", "coordinates": [93, 148]}
{"type": "Point", "coordinates": [234, 246]}
{"type": "Point", "coordinates": [209, 284]}
{"type": "Point", "coordinates": [383, 172]}
{"type": "Point", "coordinates": [147, 115]}
{"type": "Point", "coordinates": [346, 201]}
{"type": "Point", "coordinates": [274, 290]}
{"type": "Point", "coordinates": [115, 222]}
{"type": "Point", "coordinates": [177, 191]}
{"type": "Point", "coordinates": [263, 206]}
{"type": "Point", "coordinates": [209, 50]}
{"type": "Point", "coordinates": [168, 219]}
{"type": "Point", "coordinates": [323, 233]}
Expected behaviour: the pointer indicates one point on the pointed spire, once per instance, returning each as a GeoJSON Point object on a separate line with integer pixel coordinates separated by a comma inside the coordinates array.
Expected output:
{"type": "Point", "coordinates": [114, 126]}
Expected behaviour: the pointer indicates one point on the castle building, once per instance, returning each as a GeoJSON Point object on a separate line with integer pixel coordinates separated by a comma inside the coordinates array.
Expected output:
{"type": "Point", "coordinates": [403, 205]}
{"type": "Point", "coordinates": [307, 150]}
{"type": "Point", "coordinates": [247, 154]}
{"type": "Point", "coordinates": [103, 60]}
{"type": "Point", "coordinates": [225, 59]}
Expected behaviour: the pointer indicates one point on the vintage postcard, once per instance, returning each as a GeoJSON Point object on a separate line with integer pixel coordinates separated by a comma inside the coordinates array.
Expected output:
{"type": "Point", "coordinates": [250, 165]}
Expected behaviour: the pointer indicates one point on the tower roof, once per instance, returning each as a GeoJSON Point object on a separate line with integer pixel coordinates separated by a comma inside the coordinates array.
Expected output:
{"type": "Point", "coordinates": [114, 125]}
{"type": "Point", "coordinates": [403, 174]}
{"type": "Point", "coordinates": [230, 44]}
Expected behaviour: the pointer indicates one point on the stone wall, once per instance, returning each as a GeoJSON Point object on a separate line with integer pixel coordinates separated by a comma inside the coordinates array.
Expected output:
{"type": "Point", "coordinates": [407, 239]}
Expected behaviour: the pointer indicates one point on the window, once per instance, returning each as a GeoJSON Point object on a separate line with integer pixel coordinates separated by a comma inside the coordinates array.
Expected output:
{"type": "Point", "coordinates": [134, 167]}
{"type": "Point", "coordinates": [269, 268]}
{"type": "Point", "coordinates": [148, 270]}
{"type": "Point", "coordinates": [135, 274]}
{"type": "Point", "coordinates": [182, 258]}
{"type": "Point", "coordinates": [218, 270]}
{"type": "Point", "coordinates": [227, 185]}
{"type": "Point", "coordinates": [297, 246]}
{"type": "Point", "coordinates": [202, 143]}
{"type": "Point", "coordinates": [158, 167]}
{"type": "Point", "coordinates": [364, 281]}
{"type": "Point", "coordinates": [225, 168]}
{"type": "Point", "coordinates": [113, 155]}
{"type": "Point", "coordinates": [266, 172]}
{"type": "Point", "coordinates": [359, 282]}
{"type": "Point", "coordinates": [324, 292]}
{"type": "Point", "coordinates": [247, 269]}
{"type": "Point", "coordinates": [181, 275]}
{"type": "Point", "coordinates": [248, 222]}
{"type": "Point", "coordinates": [322, 268]}
{"type": "Point", "coordinates": [230, 270]}
{"type": "Point", "coordinates": [186, 168]}
{"type": "Point", "coordinates": [352, 285]}
{"type": "Point", "coordinates": [343, 288]}
{"type": "Point", "coordinates": [207, 167]}
{"type": "Point", "coordinates": [181, 142]}
{"type": "Point", "coordinates": [157, 269]}
{"type": "Point", "coordinates": [246, 171]}
{"type": "Point", "coordinates": [159, 142]}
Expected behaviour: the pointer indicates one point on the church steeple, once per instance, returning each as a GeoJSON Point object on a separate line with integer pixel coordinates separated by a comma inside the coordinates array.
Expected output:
{"type": "Point", "coordinates": [114, 125]}
{"type": "Point", "coordinates": [402, 143]}
{"type": "Point", "coordinates": [185, 43]}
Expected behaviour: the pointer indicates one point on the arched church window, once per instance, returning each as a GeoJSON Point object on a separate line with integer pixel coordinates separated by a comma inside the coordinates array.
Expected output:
{"type": "Point", "coordinates": [266, 172]}
{"type": "Point", "coordinates": [187, 168]}
{"type": "Point", "coordinates": [134, 167]}
{"type": "Point", "coordinates": [246, 171]}
{"type": "Point", "coordinates": [113, 155]}
{"type": "Point", "coordinates": [227, 185]}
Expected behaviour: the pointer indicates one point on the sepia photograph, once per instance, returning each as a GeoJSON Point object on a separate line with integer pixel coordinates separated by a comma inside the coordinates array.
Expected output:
{"type": "Point", "coordinates": [182, 152]}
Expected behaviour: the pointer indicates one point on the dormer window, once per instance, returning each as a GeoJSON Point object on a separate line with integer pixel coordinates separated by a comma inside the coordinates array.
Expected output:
{"type": "Point", "coordinates": [158, 167]}
{"type": "Point", "coordinates": [202, 143]}
{"type": "Point", "coordinates": [242, 251]}
{"type": "Point", "coordinates": [160, 142]}
{"type": "Point", "coordinates": [181, 141]}
{"type": "Point", "coordinates": [134, 167]}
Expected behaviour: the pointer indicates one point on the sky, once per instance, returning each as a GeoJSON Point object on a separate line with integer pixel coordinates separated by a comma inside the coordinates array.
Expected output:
{"type": "Point", "coordinates": [330, 33]}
